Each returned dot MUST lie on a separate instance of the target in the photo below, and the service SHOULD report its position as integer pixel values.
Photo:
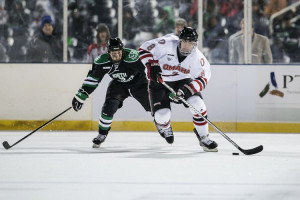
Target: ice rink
(142, 166)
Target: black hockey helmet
(188, 33)
(114, 44)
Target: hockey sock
(162, 118)
(200, 124)
(104, 124)
(163, 126)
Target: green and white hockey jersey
(129, 72)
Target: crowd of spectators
(20, 21)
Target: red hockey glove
(154, 70)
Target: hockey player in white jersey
(183, 67)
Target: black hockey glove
(186, 91)
(154, 70)
(76, 104)
(79, 99)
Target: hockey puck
(235, 154)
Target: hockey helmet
(115, 44)
(190, 35)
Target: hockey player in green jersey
(128, 79)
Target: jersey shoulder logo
(131, 55)
(101, 59)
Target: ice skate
(207, 144)
(98, 140)
(165, 133)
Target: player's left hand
(76, 104)
(185, 91)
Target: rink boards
(245, 98)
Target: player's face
(243, 27)
(116, 55)
(186, 46)
(47, 29)
(103, 36)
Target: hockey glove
(174, 98)
(154, 70)
(79, 99)
(186, 91)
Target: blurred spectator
(214, 38)
(230, 8)
(45, 47)
(3, 24)
(166, 23)
(260, 21)
(179, 24)
(211, 10)
(274, 6)
(261, 51)
(130, 27)
(18, 23)
(19, 15)
(96, 49)
(230, 43)
(3, 15)
(232, 11)
(3, 56)
(286, 37)
(80, 33)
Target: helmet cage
(186, 53)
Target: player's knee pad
(197, 103)
(162, 116)
(111, 106)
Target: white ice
(142, 166)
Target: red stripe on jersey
(204, 113)
(200, 85)
(140, 49)
(204, 79)
(145, 56)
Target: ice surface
(142, 166)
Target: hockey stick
(7, 146)
(245, 151)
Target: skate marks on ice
(147, 144)
(124, 144)
(117, 151)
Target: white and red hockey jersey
(164, 49)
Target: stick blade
(6, 145)
(252, 151)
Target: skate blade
(209, 150)
(96, 145)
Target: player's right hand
(76, 104)
(186, 91)
(154, 70)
